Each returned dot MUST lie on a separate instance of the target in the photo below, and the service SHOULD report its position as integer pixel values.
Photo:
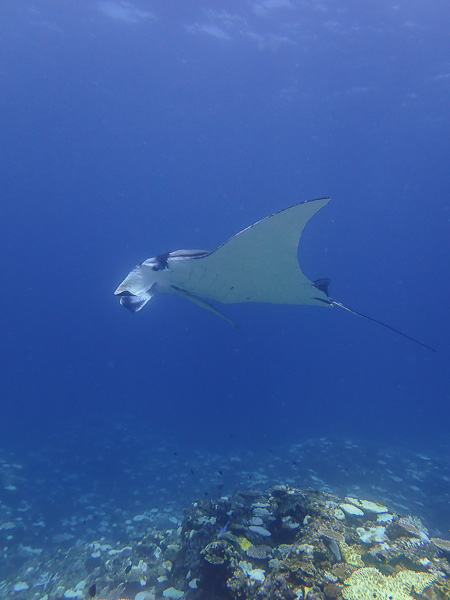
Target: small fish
(224, 528)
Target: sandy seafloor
(131, 480)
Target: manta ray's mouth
(135, 303)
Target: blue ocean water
(130, 129)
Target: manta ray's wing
(259, 264)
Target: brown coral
(260, 552)
(332, 591)
(331, 534)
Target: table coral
(369, 583)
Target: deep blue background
(132, 129)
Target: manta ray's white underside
(259, 264)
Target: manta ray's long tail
(322, 285)
(355, 312)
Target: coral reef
(284, 543)
(303, 549)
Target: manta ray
(258, 264)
